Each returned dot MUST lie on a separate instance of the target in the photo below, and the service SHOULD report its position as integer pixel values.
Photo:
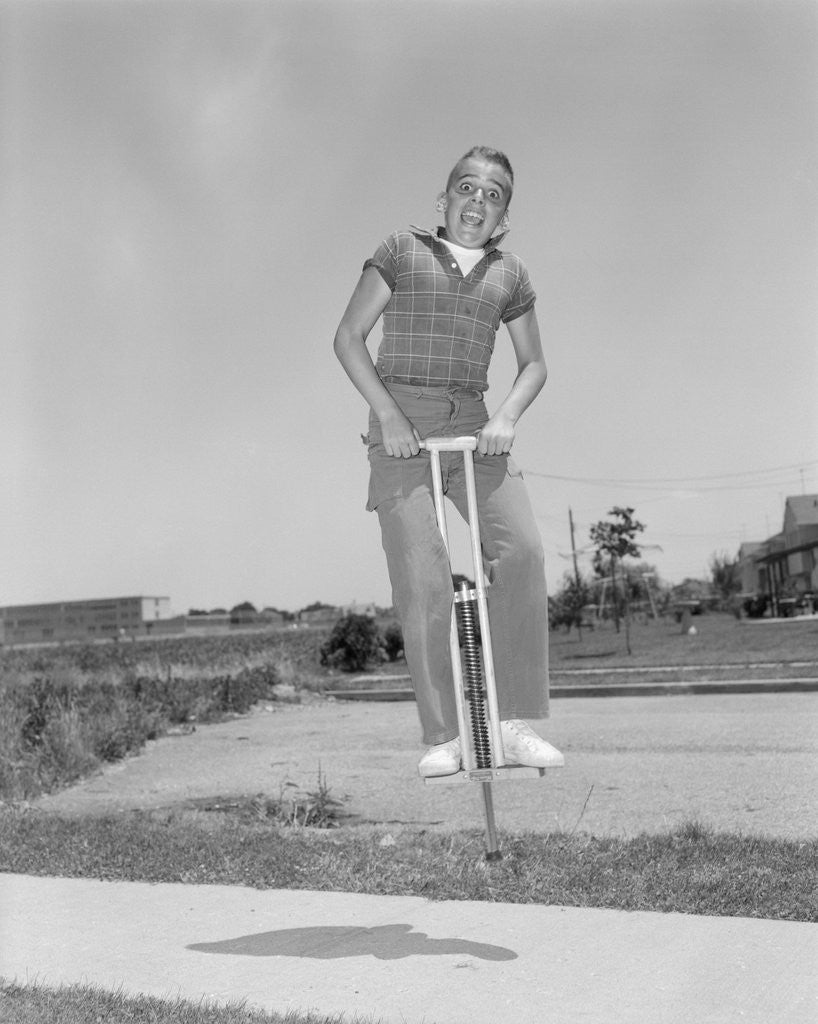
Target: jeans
(400, 490)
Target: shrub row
(206, 652)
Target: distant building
(370, 610)
(323, 616)
(105, 618)
(244, 619)
(212, 622)
(784, 568)
(249, 618)
(272, 617)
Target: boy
(442, 296)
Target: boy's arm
(497, 436)
(367, 303)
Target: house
(784, 568)
(749, 571)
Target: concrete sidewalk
(405, 960)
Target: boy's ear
(441, 202)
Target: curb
(804, 685)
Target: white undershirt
(467, 259)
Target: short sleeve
(385, 260)
(523, 296)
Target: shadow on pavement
(385, 942)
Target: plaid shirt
(438, 326)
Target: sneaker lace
(522, 732)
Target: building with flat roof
(101, 619)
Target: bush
(756, 607)
(393, 641)
(353, 643)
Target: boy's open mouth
(472, 217)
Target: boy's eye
(465, 186)
(494, 195)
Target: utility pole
(573, 545)
(576, 568)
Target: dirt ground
(745, 763)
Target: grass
(690, 870)
(86, 1004)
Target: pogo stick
(478, 713)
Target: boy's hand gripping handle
(450, 444)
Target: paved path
(404, 960)
(745, 763)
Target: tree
(725, 575)
(565, 607)
(614, 539)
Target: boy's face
(477, 195)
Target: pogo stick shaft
(467, 445)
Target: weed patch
(64, 717)
(292, 807)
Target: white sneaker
(521, 745)
(441, 759)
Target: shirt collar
(490, 246)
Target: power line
(668, 489)
(681, 480)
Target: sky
(188, 192)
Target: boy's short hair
(487, 153)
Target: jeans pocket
(394, 478)
(385, 477)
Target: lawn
(719, 640)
